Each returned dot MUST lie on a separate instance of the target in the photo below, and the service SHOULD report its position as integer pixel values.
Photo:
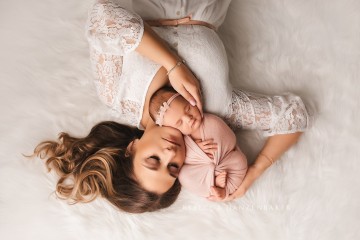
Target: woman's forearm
(274, 147)
(182, 79)
(156, 49)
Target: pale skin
(184, 82)
(187, 119)
(158, 157)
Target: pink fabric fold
(199, 171)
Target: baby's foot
(219, 193)
(220, 180)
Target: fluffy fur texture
(308, 47)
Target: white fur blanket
(309, 47)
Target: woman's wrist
(156, 49)
(262, 163)
(170, 61)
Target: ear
(131, 147)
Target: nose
(187, 118)
(170, 152)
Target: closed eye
(174, 170)
(155, 157)
(172, 167)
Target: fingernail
(193, 103)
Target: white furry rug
(308, 47)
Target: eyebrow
(154, 169)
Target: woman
(131, 60)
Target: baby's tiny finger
(208, 141)
(210, 147)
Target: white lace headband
(165, 106)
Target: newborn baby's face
(182, 116)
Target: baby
(212, 157)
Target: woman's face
(158, 156)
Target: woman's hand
(181, 78)
(217, 197)
(185, 83)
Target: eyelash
(155, 157)
(158, 159)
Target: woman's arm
(181, 78)
(274, 147)
(113, 32)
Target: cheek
(197, 114)
(186, 130)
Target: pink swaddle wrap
(199, 171)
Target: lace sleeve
(112, 32)
(106, 69)
(272, 114)
(112, 29)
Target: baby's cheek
(186, 131)
(183, 131)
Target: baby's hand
(208, 147)
(220, 180)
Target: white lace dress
(122, 76)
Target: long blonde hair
(99, 165)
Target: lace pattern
(107, 70)
(112, 29)
(273, 115)
(113, 32)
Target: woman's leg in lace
(273, 114)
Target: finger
(198, 99)
(208, 141)
(195, 93)
(209, 145)
(199, 105)
(209, 152)
(217, 191)
(187, 95)
(213, 198)
(212, 146)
